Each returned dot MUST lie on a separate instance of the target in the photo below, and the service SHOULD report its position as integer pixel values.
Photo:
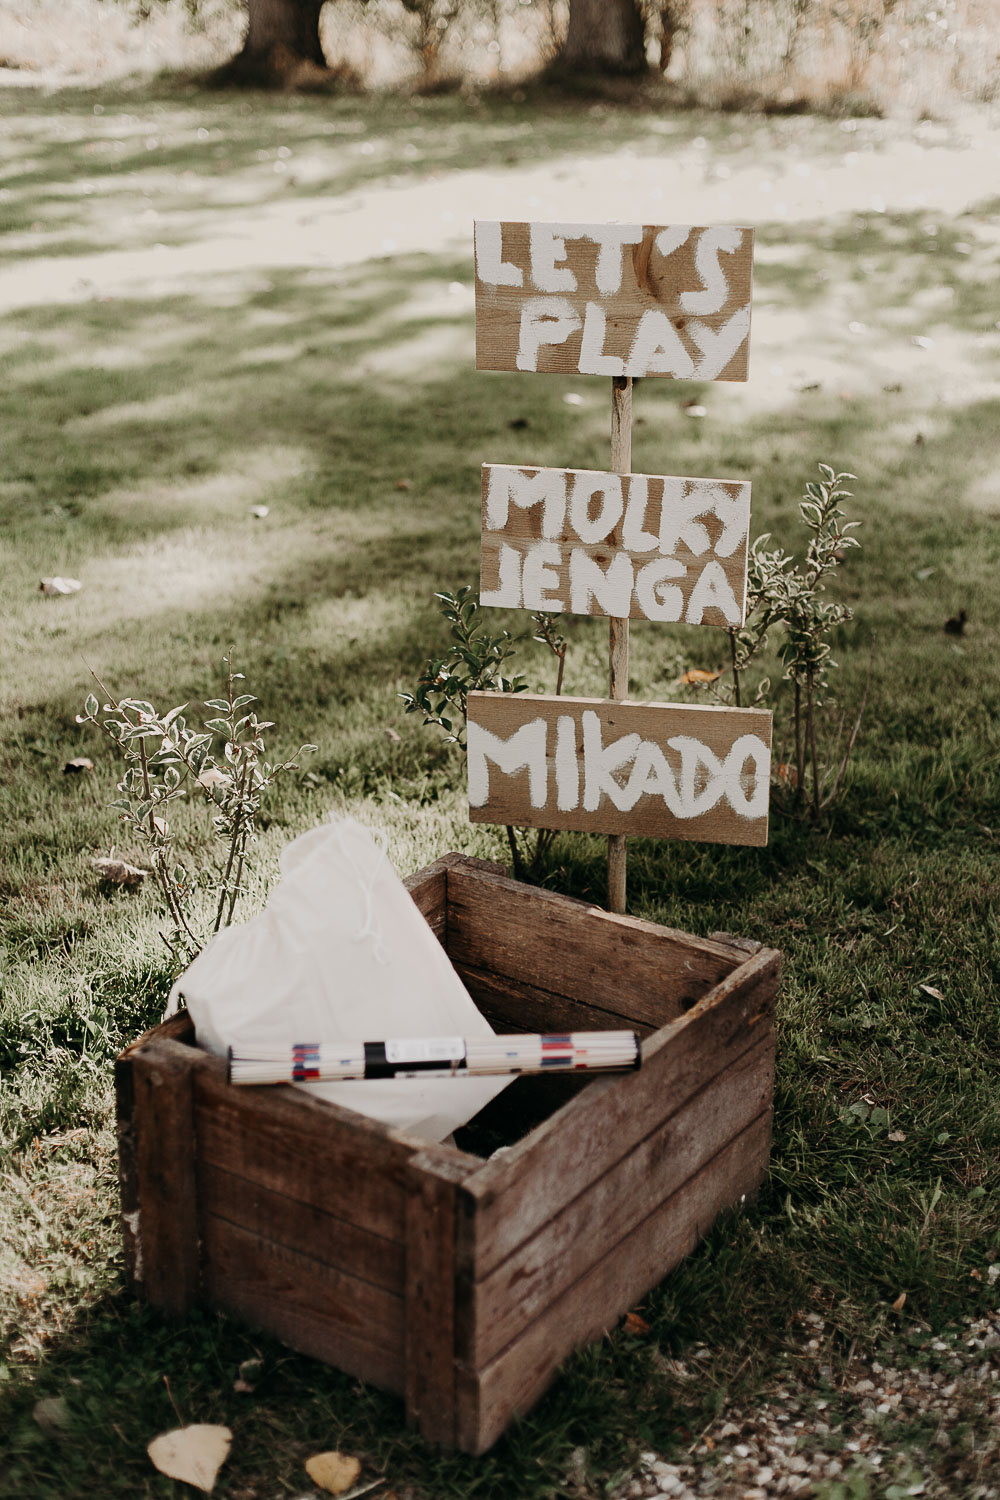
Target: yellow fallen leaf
(194, 1454)
(333, 1472)
(899, 1303)
(697, 674)
(635, 1324)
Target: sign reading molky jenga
(620, 300)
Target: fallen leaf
(119, 872)
(897, 1135)
(52, 1415)
(899, 1303)
(694, 409)
(249, 1374)
(922, 574)
(697, 674)
(194, 1454)
(333, 1472)
(929, 989)
(635, 1324)
(787, 773)
(922, 341)
(259, 511)
(76, 765)
(392, 735)
(60, 585)
(572, 399)
(404, 484)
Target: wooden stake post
(619, 300)
(621, 463)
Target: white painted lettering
(507, 594)
(509, 486)
(548, 248)
(672, 238)
(748, 792)
(524, 749)
(544, 320)
(711, 243)
(652, 777)
(593, 360)
(611, 590)
(584, 487)
(491, 267)
(682, 503)
(600, 762)
(540, 575)
(713, 591)
(612, 239)
(567, 766)
(718, 346)
(633, 536)
(657, 349)
(733, 510)
(700, 782)
(658, 599)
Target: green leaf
(221, 726)
(242, 701)
(90, 706)
(221, 704)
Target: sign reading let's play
(614, 299)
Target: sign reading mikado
(661, 769)
(614, 299)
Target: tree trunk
(604, 36)
(282, 47)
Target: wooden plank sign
(614, 299)
(644, 546)
(662, 769)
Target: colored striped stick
(435, 1057)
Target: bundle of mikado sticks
(434, 1057)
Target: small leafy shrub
(790, 596)
(165, 758)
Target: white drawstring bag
(340, 953)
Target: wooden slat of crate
(428, 888)
(430, 1331)
(306, 1303)
(509, 1004)
(156, 1081)
(522, 1286)
(578, 950)
(513, 1381)
(308, 1148)
(329, 1237)
(517, 1193)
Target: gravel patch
(923, 1421)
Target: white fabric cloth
(340, 952)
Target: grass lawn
(213, 304)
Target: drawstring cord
(366, 885)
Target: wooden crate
(459, 1282)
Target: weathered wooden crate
(460, 1282)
